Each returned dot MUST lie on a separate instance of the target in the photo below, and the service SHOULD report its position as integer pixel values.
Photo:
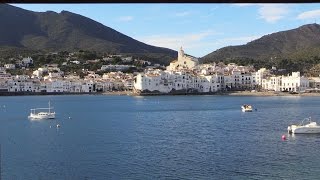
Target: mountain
(67, 31)
(295, 43)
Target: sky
(199, 28)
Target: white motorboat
(42, 113)
(246, 108)
(307, 126)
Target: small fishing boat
(307, 126)
(42, 113)
(246, 108)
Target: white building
(172, 81)
(272, 83)
(3, 85)
(314, 82)
(259, 75)
(10, 66)
(128, 84)
(211, 83)
(186, 74)
(184, 62)
(55, 85)
(236, 77)
(126, 59)
(56, 74)
(37, 73)
(116, 67)
(20, 83)
(4, 75)
(293, 83)
(75, 62)
(27, 60)
(88, 86)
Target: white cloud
(183, 14)
(244, 4)
(239, 40)
(309, 14)
(187, 41)
(125, 18)
(196, 44)
(269, 12)
(208, 47)
(273, 12)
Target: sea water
(158, 137)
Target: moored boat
(42, 113)
(307, 126)
(246, 108)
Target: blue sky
(198, 28)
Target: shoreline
(233, 93)
(40, 93)
(130, 93)
(119, 93)
(247, 93)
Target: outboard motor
(289, 130)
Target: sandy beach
(121, 93)
(270, 93)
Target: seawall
(39, 93)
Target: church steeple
(180, 54)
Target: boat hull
(36, 116)
(311, 128)
(246, 109)
(306, 130)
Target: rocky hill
(297, 43)
(67, 31)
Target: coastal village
(159, 90)
(183, 76)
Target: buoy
(58, 125)
(283, 137)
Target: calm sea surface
(158, 137)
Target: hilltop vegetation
(295, 50)
(65, 31)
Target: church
(184, 62)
